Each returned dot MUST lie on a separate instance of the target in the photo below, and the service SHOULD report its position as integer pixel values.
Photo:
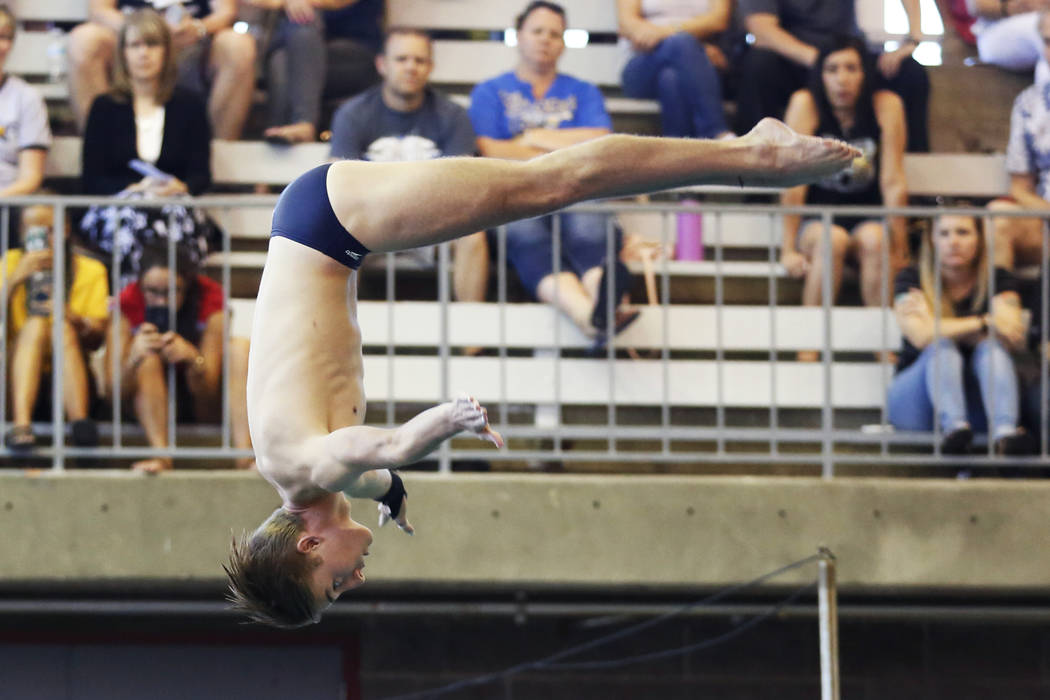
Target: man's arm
(890, 62)
(348, 453)
(770, 35)
(31, 162)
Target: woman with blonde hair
(955, 353)
(146, 119)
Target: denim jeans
(530, 245)
(678, 73)
(963, 387)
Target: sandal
(21, 437)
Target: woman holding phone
(193, 344)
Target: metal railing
(564, 429)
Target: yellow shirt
(88, 297)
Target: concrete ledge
(891, 535)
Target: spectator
(1007, 34)
(146, 117)
(29, 286)
(194, 344)
(961, 364)
(673, 60)
(213, 60)
(404, 119)
(530, 111)
(23, 124)
(1019, 241)
(788, 36)
(840, 103)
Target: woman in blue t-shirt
(841, 103)
(955, 351)
(530, 111)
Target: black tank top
(858, 184)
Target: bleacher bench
(589, 381)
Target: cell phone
(158, 316)
(148, 170)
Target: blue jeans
(963, 387)
(530, 245)
(678, 73)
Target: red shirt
(133, 303)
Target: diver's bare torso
(304, 371)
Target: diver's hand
(468, 415)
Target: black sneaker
(1014, 444)
(957, 442)
(84, 432)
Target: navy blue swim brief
(304, 214)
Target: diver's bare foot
(787, 158)
(244, 463)
(300, 132)
(152, 466)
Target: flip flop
(21, 437)
(623, 319)
(621, 283)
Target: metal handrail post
(58, 319)
(827, 463)
(444, 454)
(828, 617)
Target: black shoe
(624, 318)
(621, 283)
(1014, 444)
(84, 432)
(957, 442)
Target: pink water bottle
(690, 242)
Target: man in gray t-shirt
(788, 37)
(403, 119)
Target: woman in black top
(145, 117)
(841, 103)
(960, 363)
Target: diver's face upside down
(342, 551)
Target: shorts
(304, 214)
